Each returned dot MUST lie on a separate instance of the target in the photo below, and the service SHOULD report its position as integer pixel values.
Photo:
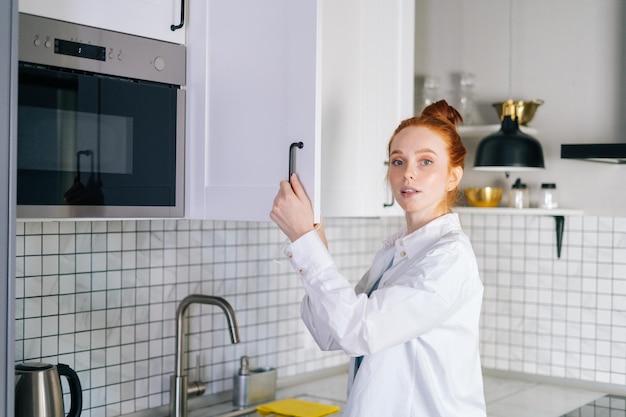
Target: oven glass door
(90, 140)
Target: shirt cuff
(308, 254)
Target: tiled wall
(101, 296)
(557, 317)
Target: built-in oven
(100, 123)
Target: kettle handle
(76, 390)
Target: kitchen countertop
(505, 395)
(325, 386)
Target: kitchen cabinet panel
(337, 76)
(148, 18)
(253, 90)
(367, 90)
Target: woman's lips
(408, 191)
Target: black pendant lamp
(509, 149)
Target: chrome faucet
(178, 382)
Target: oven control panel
(61, 44)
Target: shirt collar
(425, 236)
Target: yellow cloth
(291, 407)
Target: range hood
(612, 153)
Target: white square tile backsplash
(101, 296)
(556, 317)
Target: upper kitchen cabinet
(148, 18)
(264, 75)
(252, 91)
(367, 89)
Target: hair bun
(443, 111)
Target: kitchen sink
(250, 411)
(241, 412)
(224, 410)
(227, 409)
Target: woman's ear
(454, 178)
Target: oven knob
(159, 63)
(48, 43)
(37, 41)
(120, 56)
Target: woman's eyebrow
(417, 151)
(425, 150)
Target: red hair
(442, 119)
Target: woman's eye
(426, 162)
(397, 162)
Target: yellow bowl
(483, 196)
(524, 109)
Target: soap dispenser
(244, 366)
(252, 386)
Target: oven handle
(182, 17)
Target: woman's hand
(292, 210)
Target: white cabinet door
(368, 49)
(148, 18)
(253, 90)
(336, 75)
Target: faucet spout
(179, 383)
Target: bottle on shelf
(467, 102)
(518, 196)
(548, 196)
(430, 91)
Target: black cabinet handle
(393, 200)
(292, 157)
(182, 17)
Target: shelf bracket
(560, 225)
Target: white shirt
(418, 332)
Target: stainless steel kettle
(38, 391)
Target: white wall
(568, 52)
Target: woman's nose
(409, 173)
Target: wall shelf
(519, 212)
(558, 214)
(484, 130)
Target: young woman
(411, 324)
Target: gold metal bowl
(483, 196)
(524, 109)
